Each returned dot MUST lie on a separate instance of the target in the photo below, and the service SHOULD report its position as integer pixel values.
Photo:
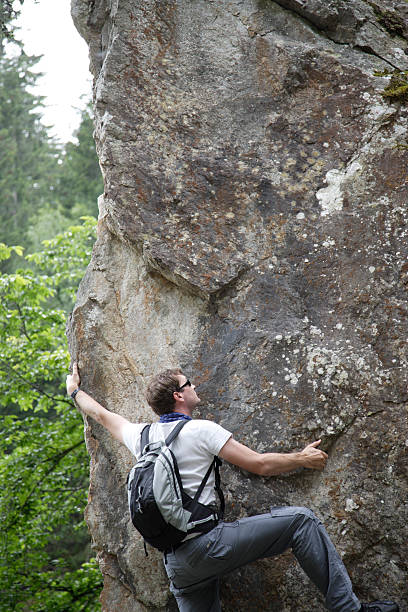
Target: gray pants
(194, 567)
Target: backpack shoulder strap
(175, 432)
(144, 438)
(204, 482)
(217, 485)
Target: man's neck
(183, 410)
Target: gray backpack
(159, 508)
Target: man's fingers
(318, 450)
(75, 374)
(315, 458)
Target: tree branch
(23, 325)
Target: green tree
(28, 157)
(8, 12)
(44, 565)
(44, 187)
(80, 181)
(77, 188)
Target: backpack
(159, 508)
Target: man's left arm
(113, 422)
(272, 464)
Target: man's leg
(204, 599)
(232, 545)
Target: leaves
(6, 251)
(43, 460)
(45, 559)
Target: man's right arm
(113, 422)
(272, 464)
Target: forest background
(48, 204)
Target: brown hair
(159, 393)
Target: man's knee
(298, 515)
(307, 512)
(304, 515)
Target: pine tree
(77, 187)
(8, 12)
(80, 181)
(28, 157)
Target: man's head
(171, 390)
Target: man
(194, 566)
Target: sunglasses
(186, 384)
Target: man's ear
(178, 396)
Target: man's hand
(114, 423)
(73, 380)
(312, 457)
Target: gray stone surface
(253, 231)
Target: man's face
(190, 396)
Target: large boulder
(253, 230)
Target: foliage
(80, 181)
(43, 460)
(7, 14)
(48, 221)
(44, 187)
(64, 258)
(45, 560)
(6, 251)
(28, 157)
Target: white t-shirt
(194, 449)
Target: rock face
(253, 231)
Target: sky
(47, 29)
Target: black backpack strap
(144, 438)
(175, 432)
(217, 464)
(204, 482)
